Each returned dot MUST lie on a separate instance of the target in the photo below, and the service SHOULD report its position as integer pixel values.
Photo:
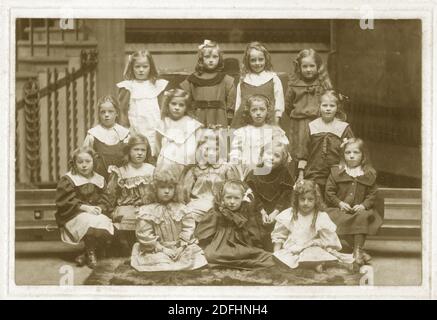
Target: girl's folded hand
(358, 207)
(344, 206)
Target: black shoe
(91, 259)
(81, 260)
(358, 256)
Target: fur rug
(117, 271)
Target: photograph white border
(10, 10)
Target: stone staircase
(35, 208)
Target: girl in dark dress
(272, 190)
(80, 213)
(228, 233)
(212, 90)
(351, 192)
(320, 148)
(108, 137)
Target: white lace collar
(109, 136)
(354, 172)
(79, 180)
(258, 79)
(336, 127)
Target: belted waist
(203, 104)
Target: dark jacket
(342, 187)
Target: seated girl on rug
(176, 133)
(165, 232)
(129, 187)
(304, 233)
(258, 131)
(272, 190)
(108, 137)
(79, 212)
(229, 234)
(351, 191)
(197, 185)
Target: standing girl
(247, 141)
(129, 187)
(257, 77)
(322, 139)
(165, 233)
(139, 96)
(176, 133)
(272, 191)
(212, 91)
(304, 233)
(108, 138)
(79, 212)
(228, 232)
(305, 87)
(351, 189)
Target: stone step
(57, 48)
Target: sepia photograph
(230, 152)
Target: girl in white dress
(140, 94)
(177, 134)
(248, 140)
(304, 233)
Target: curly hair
(129, 74)
(302, 187)
(340, 100)
(208, 46)
(72, 162)
(176, 93)
(245, 69)
(321, 68)
(134, 140)
(366, 164)
(164, 179)
(247, 119)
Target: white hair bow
(205, 43)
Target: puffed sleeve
(185, 85)
(304, 149)
(237, 144)
(109, 201)
(185, 185)
(238, 97)
(289, 100)
(370, 198)
(207, 227)
(89, 141)
(124, 98)
(187, 230)
(347, 133)
(325, 228)
(67, 201)
(278, 92)
(146, 235)
(281, 231)
(331, 192)
(230, 92)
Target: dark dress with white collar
(352, 190)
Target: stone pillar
(110, 35)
